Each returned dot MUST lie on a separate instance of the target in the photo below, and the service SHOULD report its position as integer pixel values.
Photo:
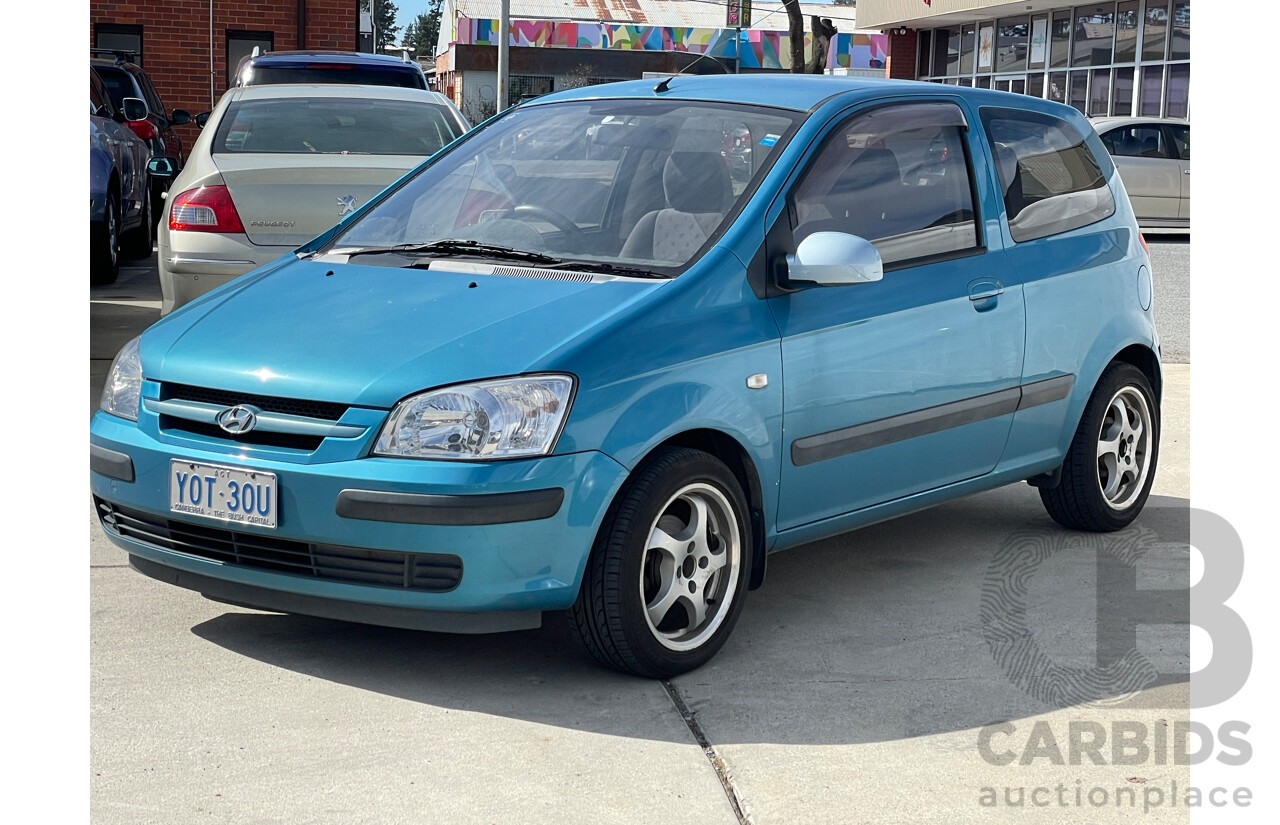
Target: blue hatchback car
(609, 377)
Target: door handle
(985, 293)
(1186, 171)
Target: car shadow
(976, 611)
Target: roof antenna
(663, 84)
(666, 81)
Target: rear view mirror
(162, 167)
(133, 108)
(181, 117)
(834, 259)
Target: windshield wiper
(456, 246)
(605, 268)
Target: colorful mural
(757, 49)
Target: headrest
(871, 168)
(697, 182)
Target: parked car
(329, 67)
(1154, 159)
(463, 407)
(123, 77)
(119, 205)
(278, 165)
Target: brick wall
(902, 54)
(175, 39)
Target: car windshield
(631, 183)
(334, 125)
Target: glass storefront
(1121, 58)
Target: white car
(275, 166)
(1153, 156)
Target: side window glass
(1182, 141)
(897, 176)
(1051, 181)
(1137, 142)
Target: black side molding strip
(454, 511)
(110, 463)
(823, 446)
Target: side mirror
(202, 119)
(834, 259)
(134, 108)
(181, 117)
(162, 167)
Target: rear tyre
(668, 574)
(137, 243)
(1109, 468)
(104, 239)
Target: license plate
(223, 493)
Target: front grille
(256, 438)
(325, 410)
(424, 572)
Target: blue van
(610, 376)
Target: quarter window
(1050, 180)
(897, 176)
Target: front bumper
(522, 529)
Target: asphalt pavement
(858, 686)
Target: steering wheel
(532, 211)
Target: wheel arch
(1141, 356)
(727, 449)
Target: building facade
(190, 48)
(1131, 57)
(557, 44)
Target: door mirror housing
(181, 117)
(162, 167)
(834, 259)
(134, 108)
(202, 119)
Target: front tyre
(1109, 468)
(668, 573)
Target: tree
(845, 2)
(795, 29)
(384, 22)
(823, 31)
(424, 31)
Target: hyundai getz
(609, 377)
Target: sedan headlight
(124, 383)
(504, 418)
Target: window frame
(122, 29)
(836, 130)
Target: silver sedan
(275, 166)
(1154, 159)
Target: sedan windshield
(334, 125)
(634, 183)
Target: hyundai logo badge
(238, 419)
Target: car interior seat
(698, 193)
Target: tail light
(207, 209)
(143, 129)
(1143, 241)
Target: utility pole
(504, 25)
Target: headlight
(124, 383)
(505, 418)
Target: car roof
(800, 92)
(273, 91)
(1100, 123)
(354, 58)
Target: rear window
(1051, 181)
(332, 73)
(300, 126)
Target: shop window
(1155, 30)
(1126, 31)
(1061, 44)
(923, 51)
(1099, 92)
(1094, 32)
(1180, 36)
(1122, 93)
(1013, 44)
(968, 38)
(1175, 93)
(1151, 92)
